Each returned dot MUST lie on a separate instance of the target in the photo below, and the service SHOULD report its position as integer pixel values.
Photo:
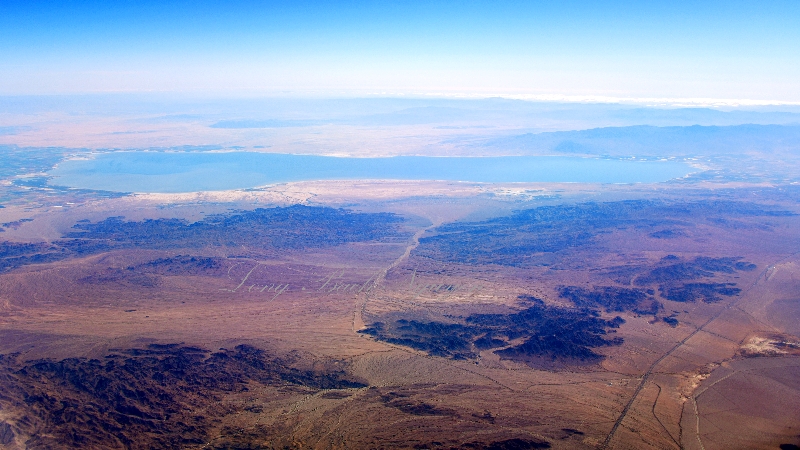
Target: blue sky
(678, 49)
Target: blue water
(189, 172)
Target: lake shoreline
(159, 172)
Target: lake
(188, 172)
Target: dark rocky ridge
(669, 276)
(521, 239)
(162, 396)
(611, 298)
(547, 334)
(692, 292)
(260, 231)
(147, 274)
(700, 267)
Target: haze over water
(189, 172)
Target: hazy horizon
(676, 53)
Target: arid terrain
(405, 315)
(383, 313)
(399, 225)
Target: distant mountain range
(647, 140)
